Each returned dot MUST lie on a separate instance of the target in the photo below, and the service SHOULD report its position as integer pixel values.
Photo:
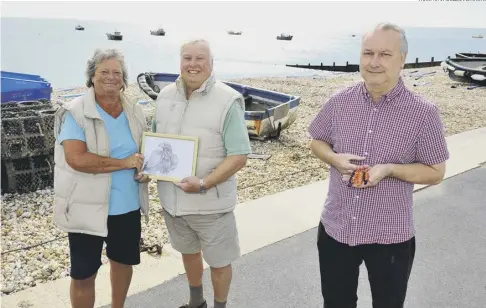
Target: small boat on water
(469, 55)
(79, 28)
(478, 36)
(115, 36)
(234, 32)
(285, 37)
(267, 113)
(158, 32)
(466, 70)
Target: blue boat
(267, 112)
(24, 87)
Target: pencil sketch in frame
(169, 157)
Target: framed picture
(169, 157)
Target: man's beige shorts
(215, 234)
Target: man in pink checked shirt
(398, 137)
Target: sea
(53, 49)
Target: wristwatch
(201, 186)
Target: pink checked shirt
(402, 128)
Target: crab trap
(27, 146)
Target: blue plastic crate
(22, 87)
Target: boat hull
(270, 123)
(267, 113)
(466, 70)
(157, 33)
(113, 37)
(468, 55)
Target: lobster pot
(27, 133)
(27, 145)
(26, 105)
(28, 174)
(47, 124)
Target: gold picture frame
(166, 156)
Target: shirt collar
(390, 96)
(89, 104)
(204, 88)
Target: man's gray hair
(198, 41)
(101, 55)
(391, 26)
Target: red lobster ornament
(359, 177)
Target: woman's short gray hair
(101, 55)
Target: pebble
(9, 288)
(28, 280)
(27, 218)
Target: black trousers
(388, 266)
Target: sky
(241, 15)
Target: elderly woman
(99, 188)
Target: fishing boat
(234, 32)
(267, 113)
(466, 70)
(158, 32)
(79, 28)
(285, 37)
(469, 55)
(115, 36)
(478, 36)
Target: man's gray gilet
(202, 116)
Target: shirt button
(354, 217)
(357, 197)
(365, 153)
(370, 131)
(374, 109)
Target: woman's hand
(142, 178)
(135, 161)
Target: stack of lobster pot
(27, 145)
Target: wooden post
(321, 64)
(308, 65)
(416, 62)
(432, 62)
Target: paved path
(449, 269)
